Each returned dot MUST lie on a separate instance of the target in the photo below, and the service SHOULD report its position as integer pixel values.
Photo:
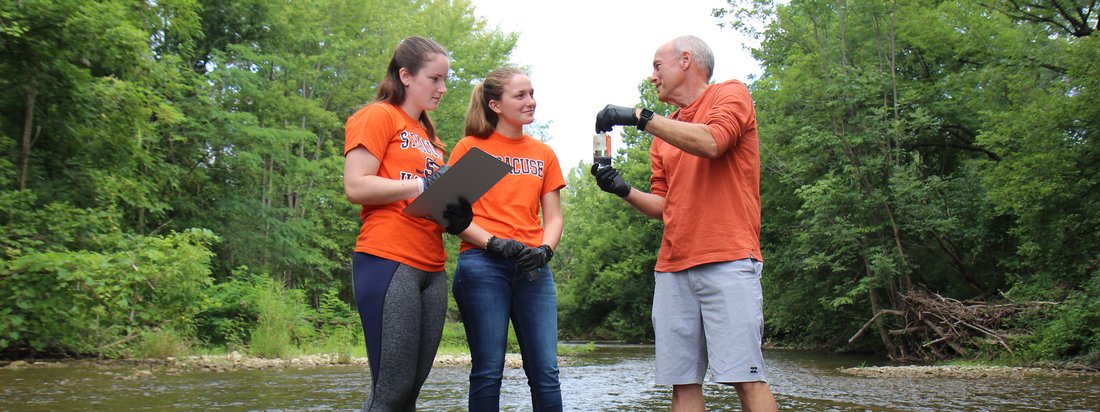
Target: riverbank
(238, 361)
(959, 371)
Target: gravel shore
(954, 371)
(235, 361)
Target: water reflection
(614, 378)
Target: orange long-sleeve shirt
(712, 206)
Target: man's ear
(686, 59)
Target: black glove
(505, 248)
(532, 258)
(458, 216)
(432, 177)
(610, 180)
(612, 115)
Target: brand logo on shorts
(753, 370)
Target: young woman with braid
(391, 154)
(502, 273)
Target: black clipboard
(473, 175)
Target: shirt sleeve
(459, 150)
(729, 114)
(371, 127)
(658, 185)
(552, 178)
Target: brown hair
(411, 54)
(480, 119)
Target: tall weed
(163, 343)
(280, 320)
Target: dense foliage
(171, 172)
(124, 125)
(909, 146)
(939, 145)
(604, 265)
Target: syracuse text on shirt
(523, 165)
(414, 141)
(409, 139)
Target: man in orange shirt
(707, 303)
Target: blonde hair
(480, 119)
(411, 54)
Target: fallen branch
(958, 349)
(932, 326)
(872, 320)
(130, 337)
(909, 330)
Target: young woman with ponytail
(391, 154)
(502, 273)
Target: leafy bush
(228, 312)
(1072, 331)
(95, 301)
(338, 328)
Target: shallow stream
(612, 378)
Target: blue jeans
(490, 291)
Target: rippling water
(613, 378)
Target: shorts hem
(740, 378)
(698, 381)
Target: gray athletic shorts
(720, 303)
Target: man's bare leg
(688, 398)
(755, 397)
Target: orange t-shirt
(510, 209)
(712, 206)
(404, 151)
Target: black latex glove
(458, 216)
(432, 177)
(532, 258)
(610, 181)
(612, 115)
(505, 248)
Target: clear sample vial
(601, 149)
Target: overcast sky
(584, 54)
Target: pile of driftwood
(928, 326)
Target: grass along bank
(334, 347)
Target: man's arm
(692, 138)
(648, 203)
(610, 181)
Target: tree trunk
(28, 123)
(894, 55)
(898, 243)
(880, 327)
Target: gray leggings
(402, 310)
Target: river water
(612, 378)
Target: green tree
(273, 143)
(916, 145)
(181, 114)
(604, 265)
